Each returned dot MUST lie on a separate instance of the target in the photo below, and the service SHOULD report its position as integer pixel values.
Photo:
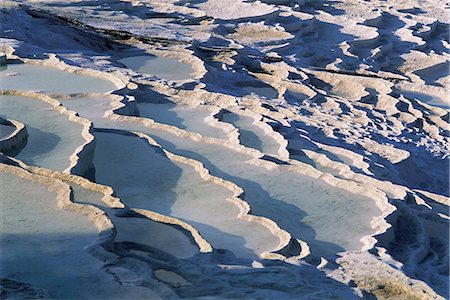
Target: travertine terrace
(229, 149)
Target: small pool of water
(52, 137)
(88, 108)
(251, 135)
(183, 117)
(140, 230)
(50, 80)
(263, 91)
(6, 130)
(161, 67)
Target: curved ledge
(65, 201)
(233, 132)
(286, 245)
(379, 224)
(286, 241)
(202, 243)
(268, 130)
(115, 202)
(81, 159)
(16, 140)
(121, 102)
(53, 61)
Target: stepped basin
(185, 117)
(140, 230)
(308, 202)
(88, 107)
(44, 246)
(250, 135)
(298, 203)
(145, 178)
(181, 116)
(52, 137)
(50, 80)
(161, 67)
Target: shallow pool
(6, 130)
(44, 246)
(251, 135)
(50, 80)
(161, 67)
(140, 230)
(184, 117)
(52, 137)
